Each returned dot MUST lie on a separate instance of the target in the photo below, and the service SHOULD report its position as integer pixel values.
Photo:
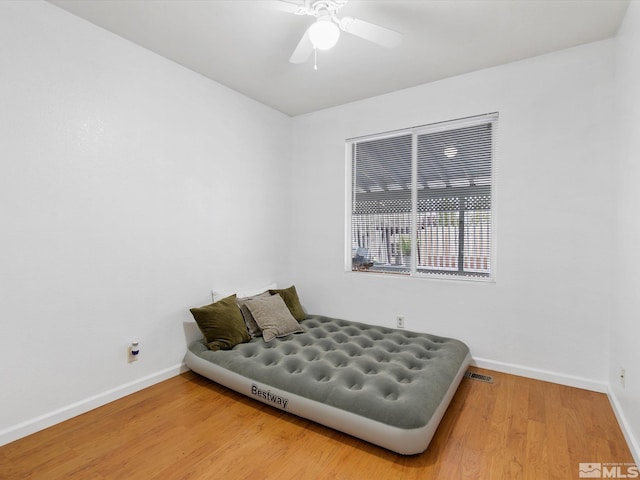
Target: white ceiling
(246, 44)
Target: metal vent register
(478, 376)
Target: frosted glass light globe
(324, 34)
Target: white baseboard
(544, 375)
(633, 443)
(44, 421)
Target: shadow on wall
(191, 332)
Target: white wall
(625, 327)
(129, 187)
(546, 315)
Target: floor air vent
(478, 376)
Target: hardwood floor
(190, 428)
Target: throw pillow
(273, 317)
(252, 326)
(290, 297)
(221, 323)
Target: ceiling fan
(323, 34)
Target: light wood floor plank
(190, 428)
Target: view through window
(421, 200)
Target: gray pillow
(273, 316)
(290, 297)
(252, 326)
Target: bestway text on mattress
(270, 397)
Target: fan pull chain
(315, 59)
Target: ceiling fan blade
(290, 6)
(369, 31)
(303, 50)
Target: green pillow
(221, 323)
(290, 297)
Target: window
(421, 200)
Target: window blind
(421, 199)
(382, 199)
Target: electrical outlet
(400, 321)
(134, 351)
(622, 377)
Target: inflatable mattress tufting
(386, 386)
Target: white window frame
(415, 132)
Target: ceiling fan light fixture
(324, 34)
